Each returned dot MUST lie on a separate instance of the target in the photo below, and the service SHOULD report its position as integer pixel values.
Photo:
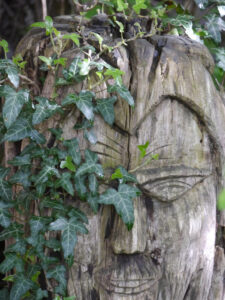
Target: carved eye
(170, 189)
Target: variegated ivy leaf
(14, 102)
(123, 92)
(20, 287)
(215, 25)
(73, 150)
(122, 201)
(5, 186)
(14, 230)
(44, 110)
(70, 228)
(21, 160)
(65, 183)
(44, 174)
(83, 102)
(59, 274)
(9, 67)
(5, 216)
(106, 108)
(90, 165)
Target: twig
(44, 9)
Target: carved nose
(133, 241)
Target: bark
(170, 252)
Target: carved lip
(128, 279)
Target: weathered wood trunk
(170, 252)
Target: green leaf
(14, 102)
(73, 150)
(45, 173)
(93, 202)
(220, 57)
(143, 149)
(106, 108)
(5, 46)
(123, 175)
(139, 4)
(90, 166)
(8, 263)
(13, 75)
(37, 224)
(69, 236)
(68, 164)
(215, 25)
(83, 103)
(19, 130)
(52, 204)
(122, 201)
(90, 136)
(65, 183)
(14, 230)
(40, 294)
(22, 177)
(80, 186)
(76, 212)
(121, 5)
(221, 200)
(59, 274)
(20, 287)
(21, 160)
(84, 67)
(44, 110)
(60, 61)
(123, 92)
(114, 73)
(39, 24)
(93, 184)
(5, 186)
(72, 36)
(19, 247)
(5, 216)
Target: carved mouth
(131, 276)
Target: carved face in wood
(169, 252)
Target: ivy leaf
(18, 131)
(5, 216)
(4, 293)
(83, 102)
(143, 149)
(84, 67)
(9, 262)
(37, 224)
(90, 136)
(40, 294)
(20, 287)
(68, 164)
(14, 230)
(215, 25)
(121, 5)
(93, 184)
(59, 274)
(220, 57)
(21, 160)
(106, 109)
(80, 186)
(65, 183)
(22, 177)
(123, 176)
(4, 44)
(93, 202)
(19, 247)
(44, 110)
(50, 203)
(76, 212)
(90, 166)
(44, 174)
(14, 102)
(72, 36)
(139, 4)
(73, 150)
(123, 92)
(122, 201)
(69, 235)
(5, 186)
(13, 75)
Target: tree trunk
(170, 252)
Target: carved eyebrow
(174, 171)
